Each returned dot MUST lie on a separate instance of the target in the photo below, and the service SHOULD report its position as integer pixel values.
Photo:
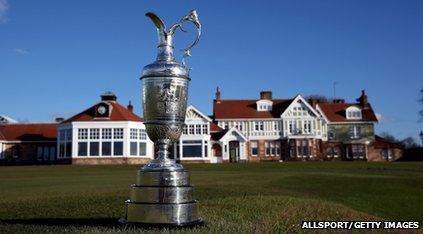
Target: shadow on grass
(98, 222)
(87, 222)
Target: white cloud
(20, 51)
(385, 119)
(4, 6)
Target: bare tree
(318, 98)
(409, 143)
(421, 102)
(388, 136)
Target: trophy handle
(193, 18)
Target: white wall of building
(195, 134)
(1, 150)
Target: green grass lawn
(265, 197)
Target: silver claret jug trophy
(162, 195)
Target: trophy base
(162, 199)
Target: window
(106, 148)
(68, 149)
(106, 133)
(118, 133)
(191, 149)
(191, 129)
(205, 149)
(133, 133)
(198, 129)
(39, 153)
(143, 134)
(52, 153)
(331, 134)
(205, 129)
(133, 148)
(292, 152)
(332, 152)
(355, 132)
(272, 148)
(278, 149)
(94, 148)
(353, 112)
(185, 130)
(307, 126)
(254, 148)
(62, 135)
(62, 149)
(292, 126)
(143, 149)
(83, 133)
(82, 148)
(305, 148)
(45, 153)
(358, 151)
(118, 148)
(259, 126)
(69, 135)
(226, 125)
(267, 146)
(94, 133)
(276, 126)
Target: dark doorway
(233, 151)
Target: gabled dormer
(300, 108)
(265, 103)
(353, 113)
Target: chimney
(130, 107)
(108, 96)
(59, 119)
(217, 98)
(363, 99)
(266, 95)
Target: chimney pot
(267, 95)
(217, 98)
(108, 96)
(130, 107)
(59, 119)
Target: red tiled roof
(381, 143)
(215, 136)
(29, 132)
(335, 112)
(247, 109)
(215, 128)
(119, 113)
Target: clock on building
(101, 110)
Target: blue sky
(57, 57)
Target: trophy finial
(166, 36)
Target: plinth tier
(162, 198)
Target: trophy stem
(162, 161)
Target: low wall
(109, 160)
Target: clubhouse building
(264, 129)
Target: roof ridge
(126, 109)
(28, 123)
(274, 99)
